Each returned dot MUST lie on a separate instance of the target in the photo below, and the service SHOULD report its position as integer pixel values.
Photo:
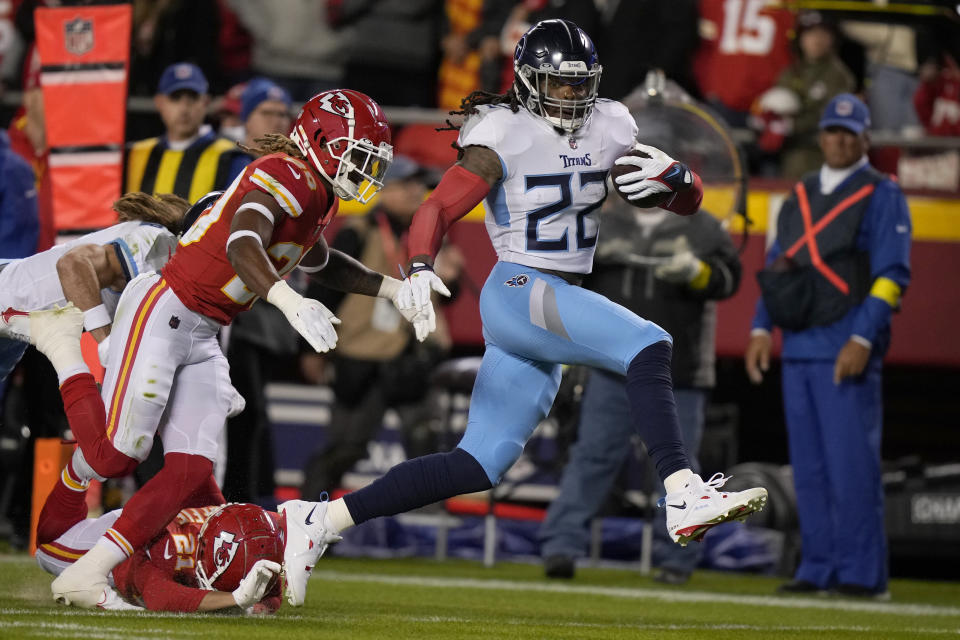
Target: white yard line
(892, 608)
(94, 629)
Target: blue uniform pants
(532, 323)
(834, 435)
(603, 443)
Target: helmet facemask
(566, 114)
(360, 169)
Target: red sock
(88, 421)
(64, 507)
(158, 502)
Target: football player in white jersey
(90, 271)
(538, 157)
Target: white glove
(103, 351)
(424, 321)
(311, 319)
(414, 298)
(255, 584)
(657, 174)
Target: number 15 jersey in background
(544, 210)
(200, 273)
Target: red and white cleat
(700, 506)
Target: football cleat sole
(737, 513)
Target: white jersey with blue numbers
(543, 211)
(31, 284)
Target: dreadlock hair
(468, 105)
(273, 143)
(165, 209)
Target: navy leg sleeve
(417, 483)
(654, 410)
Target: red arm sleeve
(160, 592)
(687, 203)
(459, 191)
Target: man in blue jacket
(19, 228)
(835, 273)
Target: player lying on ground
(207, 559)
(539, 156)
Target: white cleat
(699, 506)
(79, 586)
(15, 324)
(307, 539)
(56, 333)
(110, 600)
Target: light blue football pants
(532, 323)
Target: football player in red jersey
(165, 368)
(206, 559)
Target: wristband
(284, 298)
(96, 317)
(388, 288)
(419, 266)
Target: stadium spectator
(668, 31)
(811, 80)
(391, 48)
(294, 44)
(743, 48)
(937, 99)
(377, 364)
(891, 79)
(165, 32)
(258, 339)
(472, 59)
(28, 138)
(697, 265)
(836, 270)
(189, 159)
(19, 224)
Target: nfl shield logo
(78, 36)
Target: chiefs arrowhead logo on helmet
(224, 549)
(232, 540)
(345, 136)
(337, 103)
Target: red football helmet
(232, 540)
(346, 136)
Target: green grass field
(400, 599)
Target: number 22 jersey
(543, 211)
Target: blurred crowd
(761, 65)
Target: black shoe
(558, 566)
(860, 591)
(801, 587)
(672, 576)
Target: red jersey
(744, 46)
(200, 273)
(163, 576)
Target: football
(648, 202)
